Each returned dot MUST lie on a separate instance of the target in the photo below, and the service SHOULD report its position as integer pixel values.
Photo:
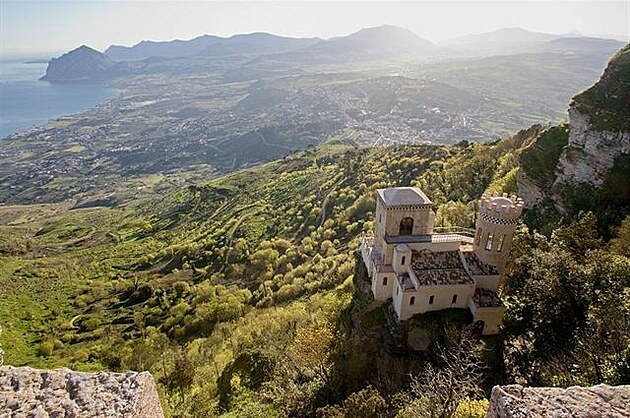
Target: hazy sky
(28, 26)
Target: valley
(186, 118)
(204, 225)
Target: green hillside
(608, 101)
(238, 294)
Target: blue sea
(25, 101)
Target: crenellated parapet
(502, 207)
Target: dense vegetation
(608, 102)
(239, 294)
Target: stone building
(422, 271)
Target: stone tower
(498, 216)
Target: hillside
(241, 293)
(83, 63)
(212, 286)
(586, 165)
(177, 120)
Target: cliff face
(591, 152)
(82, 63)
(599, 132)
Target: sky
(54, 26)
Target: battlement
(502, 207)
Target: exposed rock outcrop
(591, 153)
(82, 63)
(599, 132)
(515, 401)
(64, 393)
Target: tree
(440, 389)
(182, 374)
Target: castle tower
(401, 212)
(498, 216)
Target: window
(489, 243)
(406, 226)
(500, 245)
(379, 218)
(412, 300)
(384, 281)
(402, 261)
(431, 299)
(479, 235)
(454, 301)
(397, 290)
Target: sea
(26, 101)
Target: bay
(26, 101)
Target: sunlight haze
(52, 27)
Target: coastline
(30, 103)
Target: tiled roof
(439, 268)
(485, 298)
(478, 267)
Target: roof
(486, 298)
(478, 267)
(439, 268)
(405, 282)
(403, 196)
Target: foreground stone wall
(63, 393)
(515, 401)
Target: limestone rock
(27, 392)
(515, 401)
(591, 153)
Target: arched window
(412, 300)
(402, 261)
(478, 237)
(489, 242)
(384, 281)
(500, 245)
(406, 226)
(431, 299)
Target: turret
(498, 216)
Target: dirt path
(231, 236)
(325, 201)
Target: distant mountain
(165, 49)
(207, 45)
(81, 63)
(583, 44)
(256, 43)
(369, 43)
(508, 39)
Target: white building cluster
(424, 271)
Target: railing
(404, 239)
(454, 230)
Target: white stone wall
(442, 299)
(380, 290)
(487, 282)
(423, 219)
(491, 316)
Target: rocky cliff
(82, 63)
(599, 133)
(63, 393)
(515, 401)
